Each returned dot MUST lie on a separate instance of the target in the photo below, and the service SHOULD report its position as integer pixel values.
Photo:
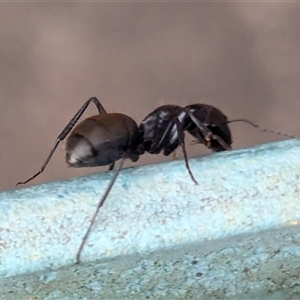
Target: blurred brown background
(241, 57)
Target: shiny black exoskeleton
(163, 131)
(214, 120)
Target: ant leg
(217, 138)
(208, 135)
(99, 106)
(206, 132)
(262, 129)
(208, 141)
(182, 143)
(111, 167)
(101, 202)
(221, 142)
(207, 114)
(165, 133)
(174, 154)
(65, 132)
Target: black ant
(106, 138)
(99, 140)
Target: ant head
(214, 131)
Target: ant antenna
(263, 129)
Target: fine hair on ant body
(99, 140)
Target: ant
(163, 129)
(99, 140)
(105, 138)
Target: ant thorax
(160, 126)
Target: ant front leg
(174, 154)
(201, 126)
(208, 143)
(65, 132)
(207, 133)
(111, 167)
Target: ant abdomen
(101, 140)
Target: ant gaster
(98, 140)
